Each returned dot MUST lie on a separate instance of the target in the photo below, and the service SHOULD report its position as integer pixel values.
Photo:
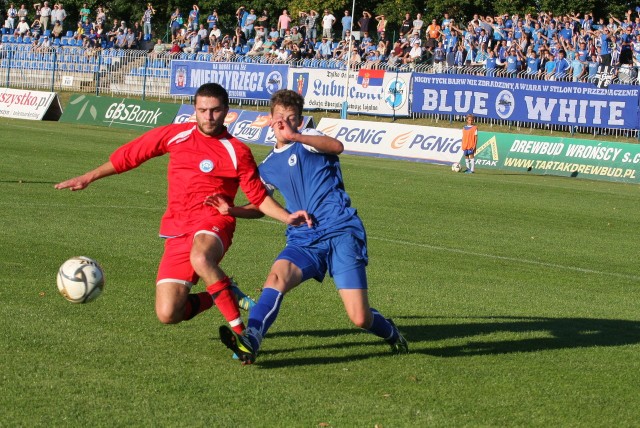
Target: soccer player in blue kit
(305, 168)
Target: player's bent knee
(360, 316)
(198, 260)
(276, 281)
(168, 315)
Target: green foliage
(518, 295)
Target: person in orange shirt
(433, 34)
(469, 141)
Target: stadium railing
(140, 73)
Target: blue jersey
(311, 181)
(491, 63)
(512, 63)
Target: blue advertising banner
(540, 101)
(241, 80)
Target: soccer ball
(455, 167)
(80, 279)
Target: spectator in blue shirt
(583, 52)
(562, 68)
(549, 67)
(346, 21)
(533, 65)
(567, 32)
(513, 62)
(626, 41)
(194, 13)
(491, 64)
(212, 19)
(324, 50)
(592, 68)
(605, 49)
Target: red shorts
(175, 265)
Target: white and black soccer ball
(455, 167)
(80, 279)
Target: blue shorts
(344, 256)
(469, 152)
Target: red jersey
(199, 166)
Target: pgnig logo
(505, 103)
(395, 93)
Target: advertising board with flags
(370, 81)
(375, 92)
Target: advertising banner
(118, 112)
(418, 143)
(539, 101)
(31, 105)
(253, 127)
(241, 80)
(375, 92)
(569, 157)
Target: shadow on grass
(475, 336)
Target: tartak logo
(487, 154)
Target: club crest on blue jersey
(293, 159)
(206, 166)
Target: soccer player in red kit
(204, 159)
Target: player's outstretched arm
(274, 210)
(269, 207)
(246, 211)
(82, 181)
(322, 143)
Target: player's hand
(283, 130)
(218, 201)
(76, 183)
(299, 218)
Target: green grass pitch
(518, 295)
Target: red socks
(226, 302)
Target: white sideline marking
(510, 259)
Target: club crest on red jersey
(206, 166)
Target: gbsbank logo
(118, 112)
(92, 109)
(132, 113)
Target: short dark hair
(212, 90)
(288, 99)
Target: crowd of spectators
(44, 25)
(571, 47)
(567, 47)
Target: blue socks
(265, 312)
(262, 315)
(381, 327)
